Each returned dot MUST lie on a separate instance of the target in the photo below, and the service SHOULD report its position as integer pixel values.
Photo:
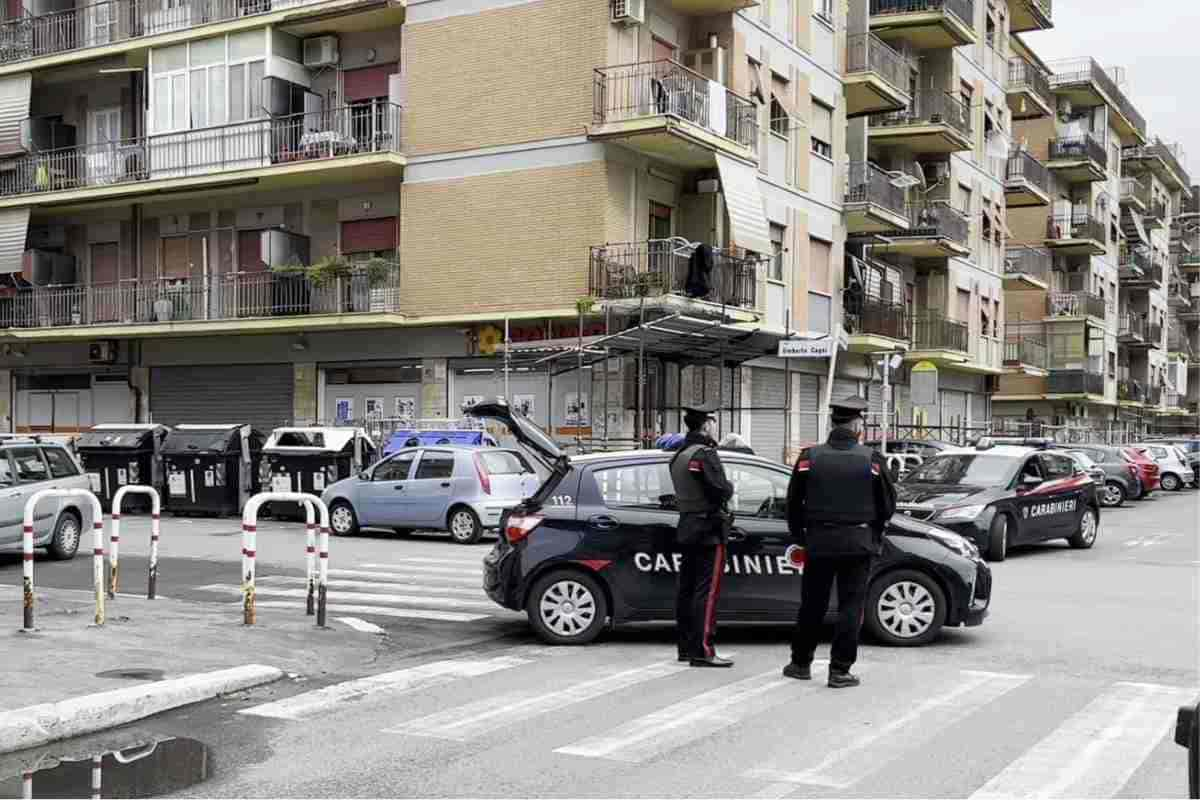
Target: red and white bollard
(97, 766)
(27, 550)
(250, 551)
(114, 539)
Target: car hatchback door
(381, 499)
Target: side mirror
(1029, 481)
(364, 476)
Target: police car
(1002, 495)
(595, 546)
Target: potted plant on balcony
(377, 271)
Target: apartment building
(1183, 321)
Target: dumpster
(309, 459)
(211, 469)
(424, 438)
(119, 454)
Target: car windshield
(965, 468)
(1084, 459)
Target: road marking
(362, 597)
(854, 760)
(476, 592)
(485, 716)
(475, 581)
(1094, 753)
(475, 562)
(477, 570)
(387, 684)
(680, 723)
(361, 625)
(380, 611)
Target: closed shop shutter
(768, 399)
(904, 404)
(367, 83)
(979, 413)
(875, 398)
(843, 388)
(258, 394)
(808, 401)
(369, 235)
(954, 408)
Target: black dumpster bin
(118, 454)
(211, 469)
(309, 459)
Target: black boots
(712, 661)
(842, 680)
(801, 672)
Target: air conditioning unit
(320, 51)
(629, 12)
(103, 352)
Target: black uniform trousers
(700, 569)
(851, 572)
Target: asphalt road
(1068, 689)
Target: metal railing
(1132, 325)
(1173, 400)
(1136, 189)
(1076, 225)
(933, 330)
(1156, 213)
(987, 350)
(1134, 261)
(1075, 304)
(963, 9)
(866, 52)
(370, 127)
(1172, 155)
(236, 295)
(867, 183)
(656, 267)
(666, 87)
(928, 107)
(1154, 395)
(1023, 74)
(874, 317)
(1023, 166)
(1131, 391)
(1024, 350)
(1154, 334)
(1076, 381)
(935, 218)
(1084, 70)
(1036, 262)
(1073, 148)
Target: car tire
(1089, 528)
(342, 519)
(1170, 482)
(998, 536)
(1113, 495)
(68, 530)
(905, 608)
(464, 525)
(567, 607)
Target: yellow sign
(925, 366)
(490, 339)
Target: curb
(49, 722)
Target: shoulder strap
(681, 451)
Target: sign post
(925, 384)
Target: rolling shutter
(808, 401)
(14, 227)
(259, 394)
(14, 110)
(954, 408)
(367, 83)
(979, 414)
(744, 201)
(250, 252)
(767, 403)
(369, 235)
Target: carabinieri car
(595, 546)
(1001, 495)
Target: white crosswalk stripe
(380, 611)
(366, 598)
(399, 576)
(387, 586)
(441, 569)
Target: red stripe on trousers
(710, 607)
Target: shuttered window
(818, 266)
(250, 252)
(367, 83)
(175, 257)
(369, 235)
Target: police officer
(840, 497)
(701, 491)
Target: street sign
(924, 384)
(821, 347)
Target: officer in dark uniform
(701, 491)
(841, 496)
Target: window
(395, 469)
(818, 312)
(499, 462)
(6, 476)
(757, 492)
(435, 464)
(777, 232)
(30, 464)
(779, 118)
(660, 221)
(1057, 466)
(822, 129)
(819, 257)
(61, 463)
(637, 486)
(193, 86)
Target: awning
(14, 110)
(1131, 223)
(744, 201)
(14, 225)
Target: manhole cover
(133, 674)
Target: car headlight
(959, 544)
(961, 512)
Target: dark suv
(1121, 482)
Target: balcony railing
(1132, 325)
(351, 130)
(1023, 166)
(1036, 262)
(1131, 391)
(657, 267)
(870, 316)
(867, 183)
(1031, 352)
(928, 107)
(936, 331)
(1136, 189)
(1170, 154)
(987, 351)
(1077, 381)
(1173, 400)
(1025, 75)
(1077, 225)
(963, 9)
(934, 218)
(866, 52)
(1154, 334)
(1156, 212)
(1154, 395)
(1075, 304)
(1073, 148)
(1084, 70)
(666, 87)
(235, 295)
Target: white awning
(744, 201)
(14, 225)
(14, 110)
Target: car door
(1026, 499)
(33, 474)
(761, 581)
(12, 504)
(428, 493)
(1060, 497)
(381, 499)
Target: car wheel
(463, 525)
(997, 549)
(1089, 526)
(1113, 495)
(567, 607)
(905, 608)
(1170, 482)
(65, 541)
(342, 519)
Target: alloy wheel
(1088, 527)
(68, 534)
(1112, 495)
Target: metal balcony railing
(1023, 166)
(1023, 350)
(235, 295)
(1156, 212)
(963, 9)
(866, 52)
(867, 183)
(872, 316)
(1132, 325)
(935, 218)
(1084, 70)
(1077, 381)
(1135, 262)
(1036, 262)
(1075, 304)
(1154, 395)
(1173, 400)
(1073, 148)
(370, 127)
(666, 87)
(1023, 75)
(1171, 154)
(935, 331)
(1136, 189)
(657, 267)
(1131, 391)
(1077, 225)
(928, 107)
(1154, 334)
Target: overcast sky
(1158, 43)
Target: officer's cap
(847, 408)
(701, 409)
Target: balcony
(1164, 161)
(1085, 83)
(1028, 90)
(986, 356)
(876, 76)
(1025, 355)
(1131, 330)
(874, 325)
(1030, 15)
(1155, 395)
(873, 201)
(1078, 159)
(1027, 181)
(1074, 306)
(1154, 336)
(666, 111)
(351, 143)
(1136, 269)
(116, 26)
(936, 122)
(1027, 267)
(1179, 295)
(935, 231)
(940, 339)
(1074, 382)
(1156, 215)
(279, 300)
(926, 24)
(708, 8)
(1077, 233)
(1186, 262)
(1135, 194)
(1131, 392)
(624, 274)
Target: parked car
(459, 489)
(1174, 471)
(919, 447)
(1094, 471)
(1147, 470)
(27, 466)
(1121, 481)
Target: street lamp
(889, 362)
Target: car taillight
(485, 480)
(521, 525)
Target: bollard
(249, 534)
(27, 785)
(97, 764)
(250, 554)
(27, 551)
(324, 575)
(27, 577)
(115, 538)
(310, 557)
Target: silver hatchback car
(462, 490)
(27, 466)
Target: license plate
(281, 483)
(177, 484)
(94, 479)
